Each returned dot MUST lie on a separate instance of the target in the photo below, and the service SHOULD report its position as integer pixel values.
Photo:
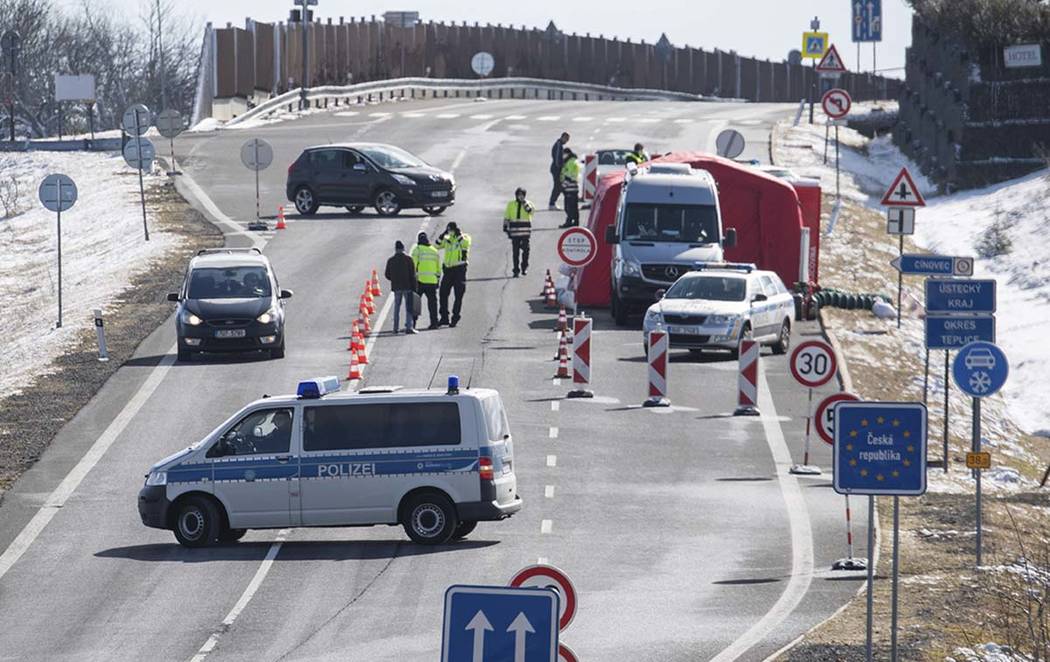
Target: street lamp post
(304, 19)
(160, 50)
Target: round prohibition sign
(826, 415)
(565, 654)
(577, 247)
(813, 363)
(836, 103)
(547, 576)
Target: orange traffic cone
(366, 326)
(546, 281)
(280, 218)
(376, 290)
(552, 301)
(359, 340)
(355, 371)
(563, 321)
(362, 307)
(352, 345)
(369, 300)
(563, 359)
(362, 353)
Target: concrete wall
(967, 119)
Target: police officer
(456, 245)
(517, 223)
(557, 161)
(639, 155)
(428, 263)
(570, 185)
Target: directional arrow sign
(903, 192)
(933, 265)
(486, 623)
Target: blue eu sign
(500, 624)
(980, 369)
(880, 448)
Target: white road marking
(380, 320)
(683, 120)
(229, 226)
(448, 116)
(616, 120)
(712, 136)
(516, 118)
(552, 460)
(553, 433)
(548, 491)
(546, 526)
(413, 115)
(380, 114)
(57, 499)
(555, 405)
(548, 118)
(481, 116)
(649, 120)
(347, 113)
(458, 160)
(583, 118)
(246, 597)
(556, 381)
(801, 533)
(542, 560)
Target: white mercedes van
(436, 462)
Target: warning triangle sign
(903, 192)
(831, 63)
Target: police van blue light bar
(312, 389)
(746, 267)
(453, 385)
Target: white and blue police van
(435, 462)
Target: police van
(435, 462)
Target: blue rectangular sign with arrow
(880, 448)
(960, 296)
(500, 624)
(957, 331)
(933, 265)
(867, 20)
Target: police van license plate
(684, 330)
(440, 194)
(229, 333)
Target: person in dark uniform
(557, 160)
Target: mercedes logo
(671, 272)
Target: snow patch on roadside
(102, 248)
(990, 652)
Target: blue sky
(763, 28)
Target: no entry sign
(577, 247)
(813, 363)
(547, 576)
(826, 415)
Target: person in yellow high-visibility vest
(517, 223)
(428, 273)
(456, 246)
(570, 186)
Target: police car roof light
(453, 385)
(312, 389)
(746, 267)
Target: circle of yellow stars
(880, 420)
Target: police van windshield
(495, 418)
(709, 288)
(229, 283)
(687, 224)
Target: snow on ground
(989, 652)
(102, 247)
(951, 224)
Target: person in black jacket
(401, 272)
(557, 160)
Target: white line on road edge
(548, 491)
(372, 337)
(552, 460)
(555, 405)
(458, 160)
(57, 499)
(546, 526)
(229, 226)
(553, 432)
(246, 597)
(801, 533)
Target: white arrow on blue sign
(867, 20)
(500, 624)
(960, 296)
(933, 265)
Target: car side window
(768, 287)
(262, 432)
(326, 159)
(350, 159)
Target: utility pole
(10, 42)
(304, 18)
(160, 50)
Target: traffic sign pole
(900, 280)
(58, 217)
(977, 449)
(893, 583)
(871, 579)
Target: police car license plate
(440, 194)
(684, 330)
(229, 333)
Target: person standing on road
(401, 272)
(639, 155)
(517, 223)
(570, 184)
(456, 245)
(557, 161)
(427, 262)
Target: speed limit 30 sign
(813, 363)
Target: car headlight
(654, 317)
(631, 268)
(721, 319)
(267, 317)
(157, 478)
(191, 319)
(404, 181)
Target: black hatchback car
(230, 302)
(358, 175)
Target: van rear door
(499, 448)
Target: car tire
(386, 203)
(619, 311)
(277, 352)
(355, 209)
(305, 201)
(184, 355)
(229, 535)
(783, 343)
(435, 211)
(745, 334)
(430, 519)
(197, 522)
(464, 529)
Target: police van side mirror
(730, 238)
(286, 294)
(173, 296)
(610, 235)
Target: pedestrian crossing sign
(814, 44)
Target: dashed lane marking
(481, 116)
(552, 460)
(583, 118)
(517, 118)
(548, 491)
(616, 120)
(448, 116)
(684, 120)
(553, 433)
(548, 118)
(458, 160)
(555, 405)
(380, 114)
(413, 115)
(546, 526)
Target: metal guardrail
(72, 145)
(524, 88)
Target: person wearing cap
(639, 155)
(427, 262)
(517, 223)
(570, 186)
(401, 272)
(456, 245)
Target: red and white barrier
(850, 562)
(747, 383)
(658, 346)
(590, 179)
(581, 357)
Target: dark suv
(230, 302)
(357, 175)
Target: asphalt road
(684, 534)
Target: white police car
(435, 462)
(718, 303)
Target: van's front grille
(663, 273)
(228, 323)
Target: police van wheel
(464, 529)
(434, 211)
(185, 355)
(783, 342)
(619, 311)
(430, 519)
(745, 334)
(197, 522)
(232, 535)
